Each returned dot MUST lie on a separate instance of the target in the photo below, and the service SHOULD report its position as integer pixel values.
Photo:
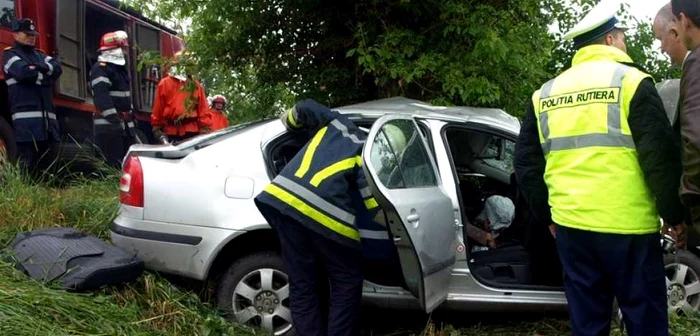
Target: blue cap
(25, 26)
(599, 21)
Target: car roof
(405, 106)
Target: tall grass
(148, 306)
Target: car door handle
(413, 218)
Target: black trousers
(311, 262)
(599, 267)
(36, 156)
(112, 143)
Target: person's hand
(490, 242)
(553, 231)
(678, 233)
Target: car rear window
(205, 140)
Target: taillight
(131, 183)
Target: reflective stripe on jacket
(592, 171)
(315, 187)
(29, 75)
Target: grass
(152, 305)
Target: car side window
(400, 157)
(496, 159)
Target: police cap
(25, 26)
(599, 21)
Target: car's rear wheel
(255, 290)
(683, 281)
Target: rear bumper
(184, 250)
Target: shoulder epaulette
(8, 48)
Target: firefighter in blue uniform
(29, 74)
(313, 205)
(109, 80)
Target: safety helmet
(113, 40)
(219, 99)
(396, 138)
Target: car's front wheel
(682, 284)
(255, 290)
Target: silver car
(187, 209)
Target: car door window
(400, 156)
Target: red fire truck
(72, 30)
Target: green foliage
(264, 55)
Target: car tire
(255, 290)
(682, 274)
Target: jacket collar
(23, 46)
(599, 52)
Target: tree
(490, 53)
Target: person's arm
(529, 163)
(308, 115)
(690, 133)
(361, 181)
(101, 83)
(658, 150)
(54, 69)
(19, 69)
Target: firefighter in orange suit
(217, 113)
(180, 109)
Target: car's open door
(403, 177)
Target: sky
(645, 8)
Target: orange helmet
(113, 40)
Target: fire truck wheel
(8, 147)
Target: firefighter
(29, 75)
(310, 206)
(111, 89)
(217, 113)
(180, 110)
(598, 162)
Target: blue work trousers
(311, 261)
(599, 267)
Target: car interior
(526, 256)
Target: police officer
(29, 74)
(597, 159)
(109, 80)
(310, 206)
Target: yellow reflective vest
(592, 174)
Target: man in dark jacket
(29, 74)
(310, 205)
(109, 80)
(598, 161)
(688, 17)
